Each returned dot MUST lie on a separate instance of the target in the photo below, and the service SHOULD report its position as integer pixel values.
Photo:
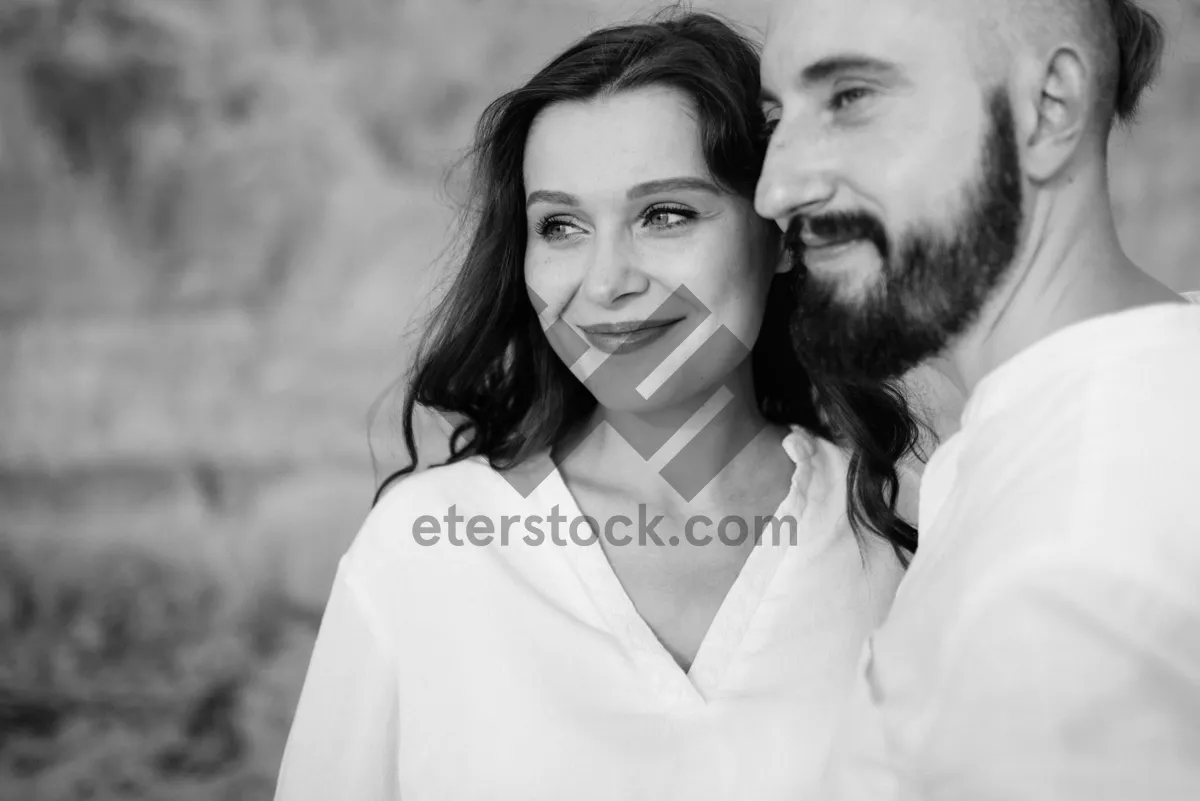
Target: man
(939, 167)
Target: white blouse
(522, 671)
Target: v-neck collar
(737, 610)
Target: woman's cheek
(743, 317)
(550, 290)
(735, 288)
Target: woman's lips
(616, 338)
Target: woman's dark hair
(485, 359)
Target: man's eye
(771, 120)
(847, 96)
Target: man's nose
(798, 175)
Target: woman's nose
(613, 271)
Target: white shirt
(523, 671)
(1045, 644)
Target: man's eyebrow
(548, 196)
(829, 68)
(673, 185)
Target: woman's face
(633, 249)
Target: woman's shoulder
(821, 464)
(818, 490)
(828, 462)
(414, 503)
(822, 467)
(438, 482)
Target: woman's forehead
(614, 141)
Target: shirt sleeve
(1067, 684)
(343, 741)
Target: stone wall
(219, 224)
(201, 298)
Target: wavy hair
(485, 360)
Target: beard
(935, 280)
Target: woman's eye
(667, 217)
(555, 228)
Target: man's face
(895, 175)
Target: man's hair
(1124, 41)
(1127, 42)
(1139, 39)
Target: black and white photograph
(603, 400)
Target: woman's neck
(705, 452)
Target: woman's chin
(675, 402)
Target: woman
(590, 600)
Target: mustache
(836, 225)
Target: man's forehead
(802, 31)
(816, 9)
(840, 23)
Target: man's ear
(1054, 108)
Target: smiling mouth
(833, 248)
(616, 338)
(814, 242)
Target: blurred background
(219, 220)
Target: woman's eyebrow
(641, 190)
(673, 185)
(550, 196)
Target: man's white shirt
(1045, 643)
